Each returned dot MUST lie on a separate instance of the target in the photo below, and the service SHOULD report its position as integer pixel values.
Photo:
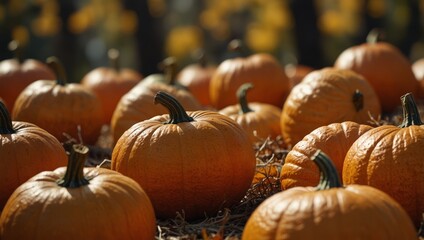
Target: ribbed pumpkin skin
(262, 70)
(25, 153)
(262, 122)
(390, 158)
(334, 139)
(199, 166)
(325, 96)
(60, 109)
(384, 67)
(111, 206)
(138, 105)
(353, 212)
(110, 85)
(15, 76)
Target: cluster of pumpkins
(183, 143)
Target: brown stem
(177, 114)
(113, 55)
(241, 95)
(74, 176)
(329, 178)
(411, 115)
(358, 100)
(169, 66)
(16, 50)
(55, 64)
(236, 46)
(375, 35)
(6, 126)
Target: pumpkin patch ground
(228, 223)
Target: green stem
(55, 64)
(375, 35)
(411, 115)
(241, 95)
(74, 176)
(177, 114)
(358, 100)
(16, 50)
(329, 177)
(113, 55)
(6, 126)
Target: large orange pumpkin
(25, 150)
(390, 158)
(384, 67)
(111, 83)
(197, 162)
(78, 203)
(327, 96)
(329, 211)
(60, 107)
(17, 73)
(261, 69)
(334, 139)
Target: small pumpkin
(74, 202)
(296, 72)
(17, 73)
(111, 83)
(418, 70)
(196, 78)
(197, 162)
(390, 158)
(261, 69)
(259, 120)
(383, 66)
(326, 96)
(334, 139)
(329, 211)
(60, 107)
(25, 150)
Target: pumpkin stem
(236, 46)
(411, 115)
(169, 65)
(113, 55)
(177, 114)
(241, 95)
(74, 176)
(375, 35)
(16, 50)
(55, 64)
(329, 177)
(358, 100)
(6, 126)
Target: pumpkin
(17, 73)
(138, 104)
(197, 162)
(390, 158)
(384, 67)
(334, 139)
(261, 69)
(60, 107)
(329, 211)
(74, 202)
(296, 72)
(196, 78)
(25, 150)
(326, 96)
(111, 83)
(418, 70)
(259, 120)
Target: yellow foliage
(181, 41)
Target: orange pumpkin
(296, 72)
(418, 70)
(60, 107)
(78, 203)
(259, 120)
(329, 211)
(261, 69)
(384, 67)
(25, 150)
(111, 83)
(390, 158)
(334, 139)
(327, 96)
(17, 73)
(197, 162)
(196, 78)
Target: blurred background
(308, 32)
